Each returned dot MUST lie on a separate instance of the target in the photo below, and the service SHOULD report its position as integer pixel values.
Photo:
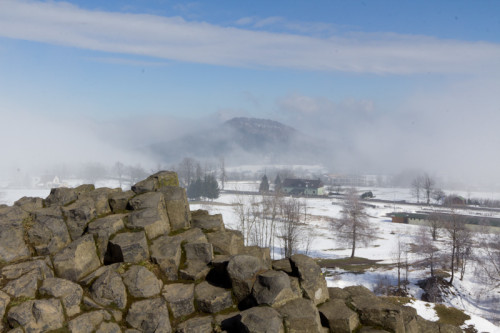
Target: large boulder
(100, 197)
(226, 242)
(166, 252)
(153, 221)
(261, 320)
(24, 286)
(129, 247)
(4, 302)
(243, 270)
(196, 325)
(194, 270)
(118, 201)
(141, 282)
(149, 316)
(37, 315)
(77, 259)
(61, 196)
(338, 316)
(87, 322)
(180, 298)
(375, 312)
(209, 223)
(156, 182)
(48, 234)
(78, 215)
(300, 315)
(68, 292)
(12, 245)
(109, 289)
(41, 265)
(105, 227)
(311, 279)
(199, 251)
(178, 211)
(29, 204)
(212, 299)
(273, 288)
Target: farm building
(303, 187)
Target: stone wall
(104, 260)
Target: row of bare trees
(273, 220)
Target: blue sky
(344, 69)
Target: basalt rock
(105, 260)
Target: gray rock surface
(78, 215)
(242, 270)
(166, 252)
(60, 196)
(152, 221)
(300, 315)
(118, 201)
(261, 320)
(109, 289)
(194, 270)
(129, 247)
(228, 242)
(311, 279)
(211, 299)
(77, 259)
(209, 223)
(180, 298)
(68, 292)
(87, 322)
(199, 251)
(37, 315)
(178, 211)
(273, 288)
(141, 282)
(339, 317)
(48, 234)
(149, 316)
(12, 226)
(196, 325)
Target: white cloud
(176, 39)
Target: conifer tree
(264, 185)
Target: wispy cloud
(131, 62)
(177, 39)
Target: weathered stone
(367, 329)
(78, 215)
(37, 315)
(243, 270)
(68, 292)
(311, 279)
(129, 247)
(375, 312)
(42, 266)
(194, 270)
(300, 315)
(338, 316)
(201, 219)
(337, 293)
(359, 291)
(141, 282)
(12, 245)
(154, 200)
(144, 186)
(199, 251)
(104, 228)
(153, 221)
(100, 197)
(118, 201)
(273, 288)
(60, 196)
(283, 265)
(48, 234)
(149, 316)
(109, 289)
(24, 286)
(211, 299)
(108, 328)
(196, 325)
(262, 253)
(178, 211)
(87, 322)
(194, 235)
(29, 204)
(84, 188)
(226, 242)
(261, 320)
(165, 179)
(89, 279)
(78, 259)
(180, 298)
(166, 252)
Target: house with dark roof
(303, 187)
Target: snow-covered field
(472, 295)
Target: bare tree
(434, 221)
(398, 256)
(353, 227)
(416, 188)
(245, 211)
(490, 259)
(119, 169)
(427, 186)
(291, 231)
(426, 248)
(455, 227)
(438, 195)
(187, 171)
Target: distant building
(303, 187)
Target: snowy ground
(471, 294)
